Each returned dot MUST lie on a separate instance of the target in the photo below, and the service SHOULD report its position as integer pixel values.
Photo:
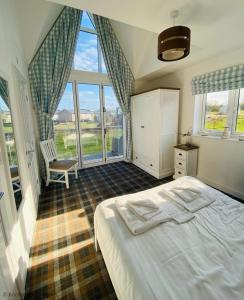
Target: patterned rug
(64, 263)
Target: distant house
(63, 115)
(86, 115)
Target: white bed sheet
(202, 259)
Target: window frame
(98, 78)
(99, 50)
(232, 114)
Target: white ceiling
(216, 28)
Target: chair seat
(62, 164)
(14, 172)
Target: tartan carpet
(64, 263)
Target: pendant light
(174, 42)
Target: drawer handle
(151, 165)
(142, 126)
(180, 163)
(179, 172)
(136, 157)
(180, 154)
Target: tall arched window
(88, 123)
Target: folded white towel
(188, 188)
(144, 208)
(168, 212)
(186, 195)
(202, 201)
(143, 202)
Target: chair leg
(48, 178)
(66, 174)
(76, 173)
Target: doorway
(88, 124)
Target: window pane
(240, 116)
(114, 124)
(90, 122)
(8, 133)
(86, 21)
(216, 110)
(86, 54)
(64, 126)
(11, 150)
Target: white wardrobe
(155, 130)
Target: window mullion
(203, 114)
(231, 120)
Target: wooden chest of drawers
(185, 160)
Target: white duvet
(201, 259)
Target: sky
(219, 98)
(3, 106)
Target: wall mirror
(8, 131)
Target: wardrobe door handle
(180, 154)
(179, 172)
(151, 165)
(142, 126)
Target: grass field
(214, 121)
(66, 140)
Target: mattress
(201, 259)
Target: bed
(201, 259)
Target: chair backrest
(48, 151)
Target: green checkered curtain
(119, 73)
(221, 80)
(50, 68)
(4, 91)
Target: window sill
(215, 137)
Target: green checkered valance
(221, 80)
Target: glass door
(91, 137)
(113, 122)
(64, 123)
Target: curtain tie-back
(127, 114)
(46, 115)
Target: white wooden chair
(14, 171)
(61, 167)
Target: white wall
(35, 19)
(19, 226)
(221, 162)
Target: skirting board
(154, 173)
(225, 189)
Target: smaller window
(88, 54)
(216, 111)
